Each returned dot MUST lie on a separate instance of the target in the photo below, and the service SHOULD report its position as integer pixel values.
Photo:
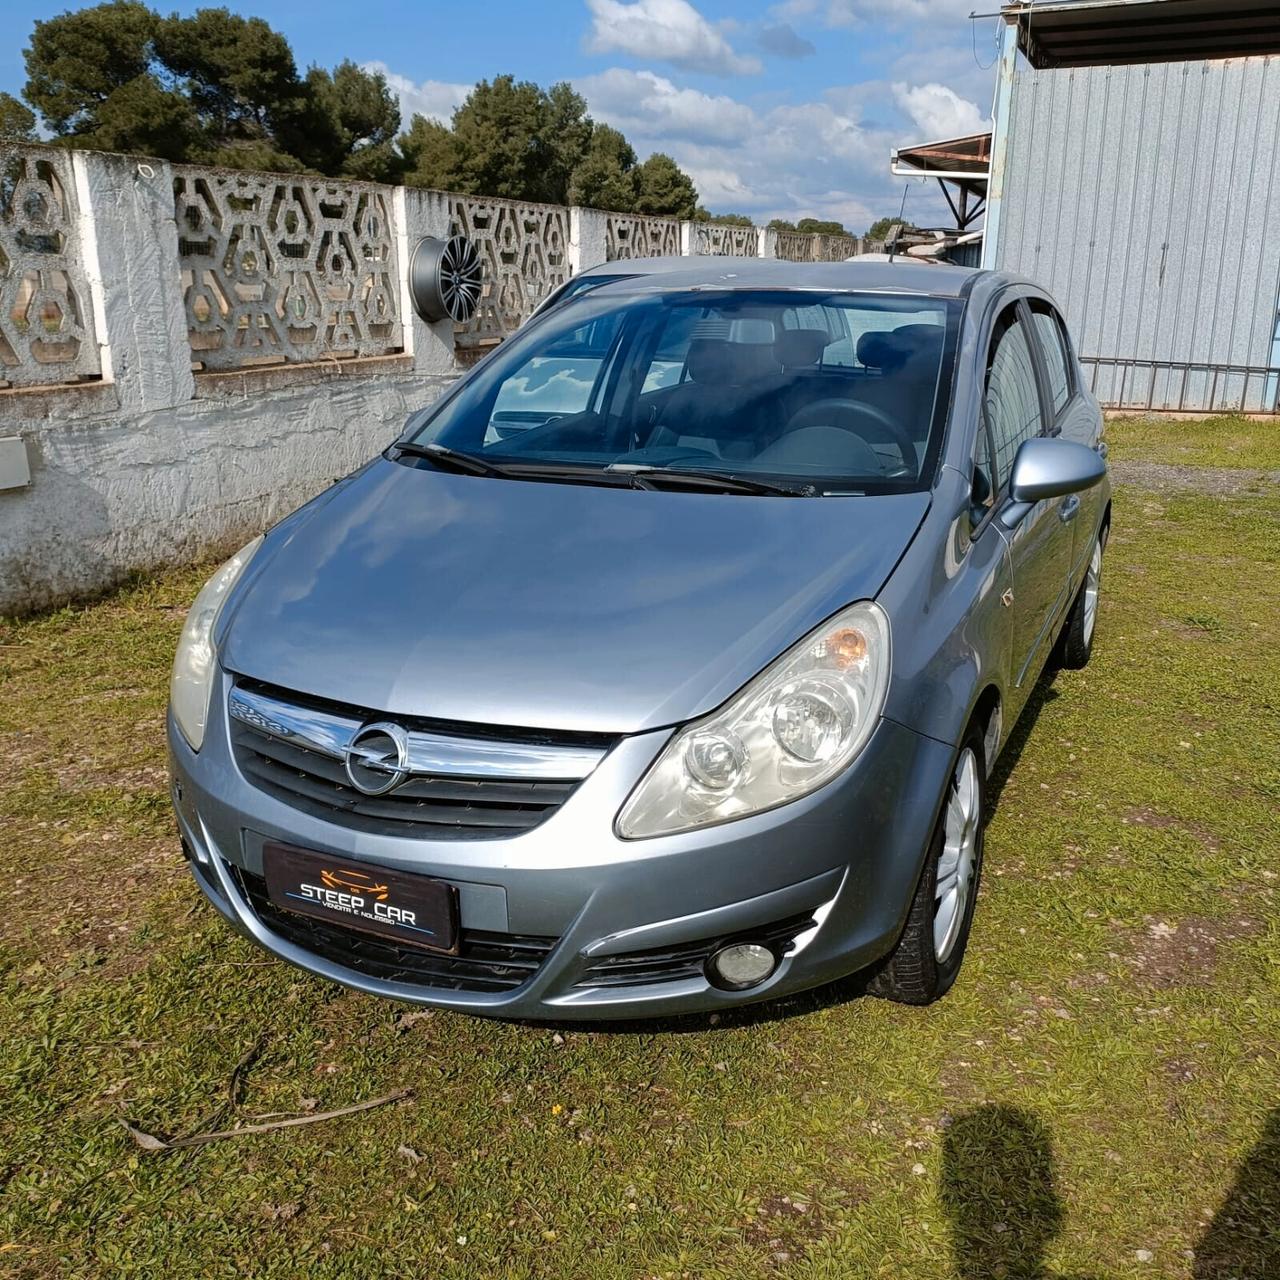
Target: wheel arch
(988, 713)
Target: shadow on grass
(1243, 1240)
(999, 1190)
(1041, 696)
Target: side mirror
(1049, 468)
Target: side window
(1053, 344)
(984, 488)
(1012, 398)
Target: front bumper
(847, 858)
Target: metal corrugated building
(1143, 190)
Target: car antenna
(902, 208)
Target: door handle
(1069, 508)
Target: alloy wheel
(1091, 582)
(957, 863)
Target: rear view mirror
(1050, 468)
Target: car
(606, 273)
(662, 664)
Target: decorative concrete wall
(187, 354)
(155, 462)
(46, 332)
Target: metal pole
(1001, 115)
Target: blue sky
(777, 109)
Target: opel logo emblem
(377, 758)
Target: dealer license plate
(411, 910)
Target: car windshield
(838, 392)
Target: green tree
(662, 187)
(605, 177)
(17, 120)
(819, 226)
(429, 155)
(781, 224)
(143, 116)
(569, 132)
(354, 119)
(724, 219)
(879, 229)
(239, 77)
(213, 86)
(77, 61)
(504, 147)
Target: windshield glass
(840, 390)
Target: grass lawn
(1225, 441)
(1095, 1098)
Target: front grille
(485, 961)
(291, 747)
(687, 960)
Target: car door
(1076, 416)
(1015, 410)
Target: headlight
(783, 735)
(193, 667)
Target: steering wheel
(819, 414)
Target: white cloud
(852, 13)
(794, 160)
(939, 112)
(435, 99)
(665, 31)
(643, 102)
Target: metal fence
(46, 319)
(1183, 387)
(1145, 198)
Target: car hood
(559, 606)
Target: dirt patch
(1185, 954)
(1142, 816)
(1168, 477)
(785, 1228)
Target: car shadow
(1040, 697)
(998, 1187)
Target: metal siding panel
(1013, 232)
(1147, 200)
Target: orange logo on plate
(354, 882)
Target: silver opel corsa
(661, 665)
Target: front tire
(924, 964)
(1077, 635)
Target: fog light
(741, 965)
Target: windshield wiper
(637, 474)
(535, 469)
(648, 476)
(454, 459)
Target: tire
(928, 955)
(1076, 645)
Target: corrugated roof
(1115, 32)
